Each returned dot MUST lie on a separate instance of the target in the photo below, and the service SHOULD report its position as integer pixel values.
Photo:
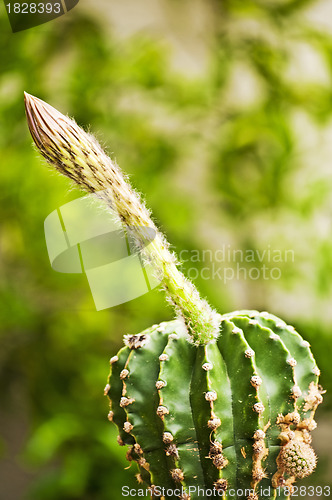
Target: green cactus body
(221, 403)
(221, 415)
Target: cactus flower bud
(78, 155)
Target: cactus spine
(208, 404)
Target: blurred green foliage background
(221, 112)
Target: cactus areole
(208, 404)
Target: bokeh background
(221, 113)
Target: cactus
(208, 404)
(236, 413)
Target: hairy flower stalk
(77, 154)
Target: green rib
(201, 411)
(220, 381)
(115, 394)
(240, 370)
(148, 428)
(304, 370)
(278, 379)
(177, 371)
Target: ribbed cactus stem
(78, 155)
(235, 416)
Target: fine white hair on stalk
(77, 154)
